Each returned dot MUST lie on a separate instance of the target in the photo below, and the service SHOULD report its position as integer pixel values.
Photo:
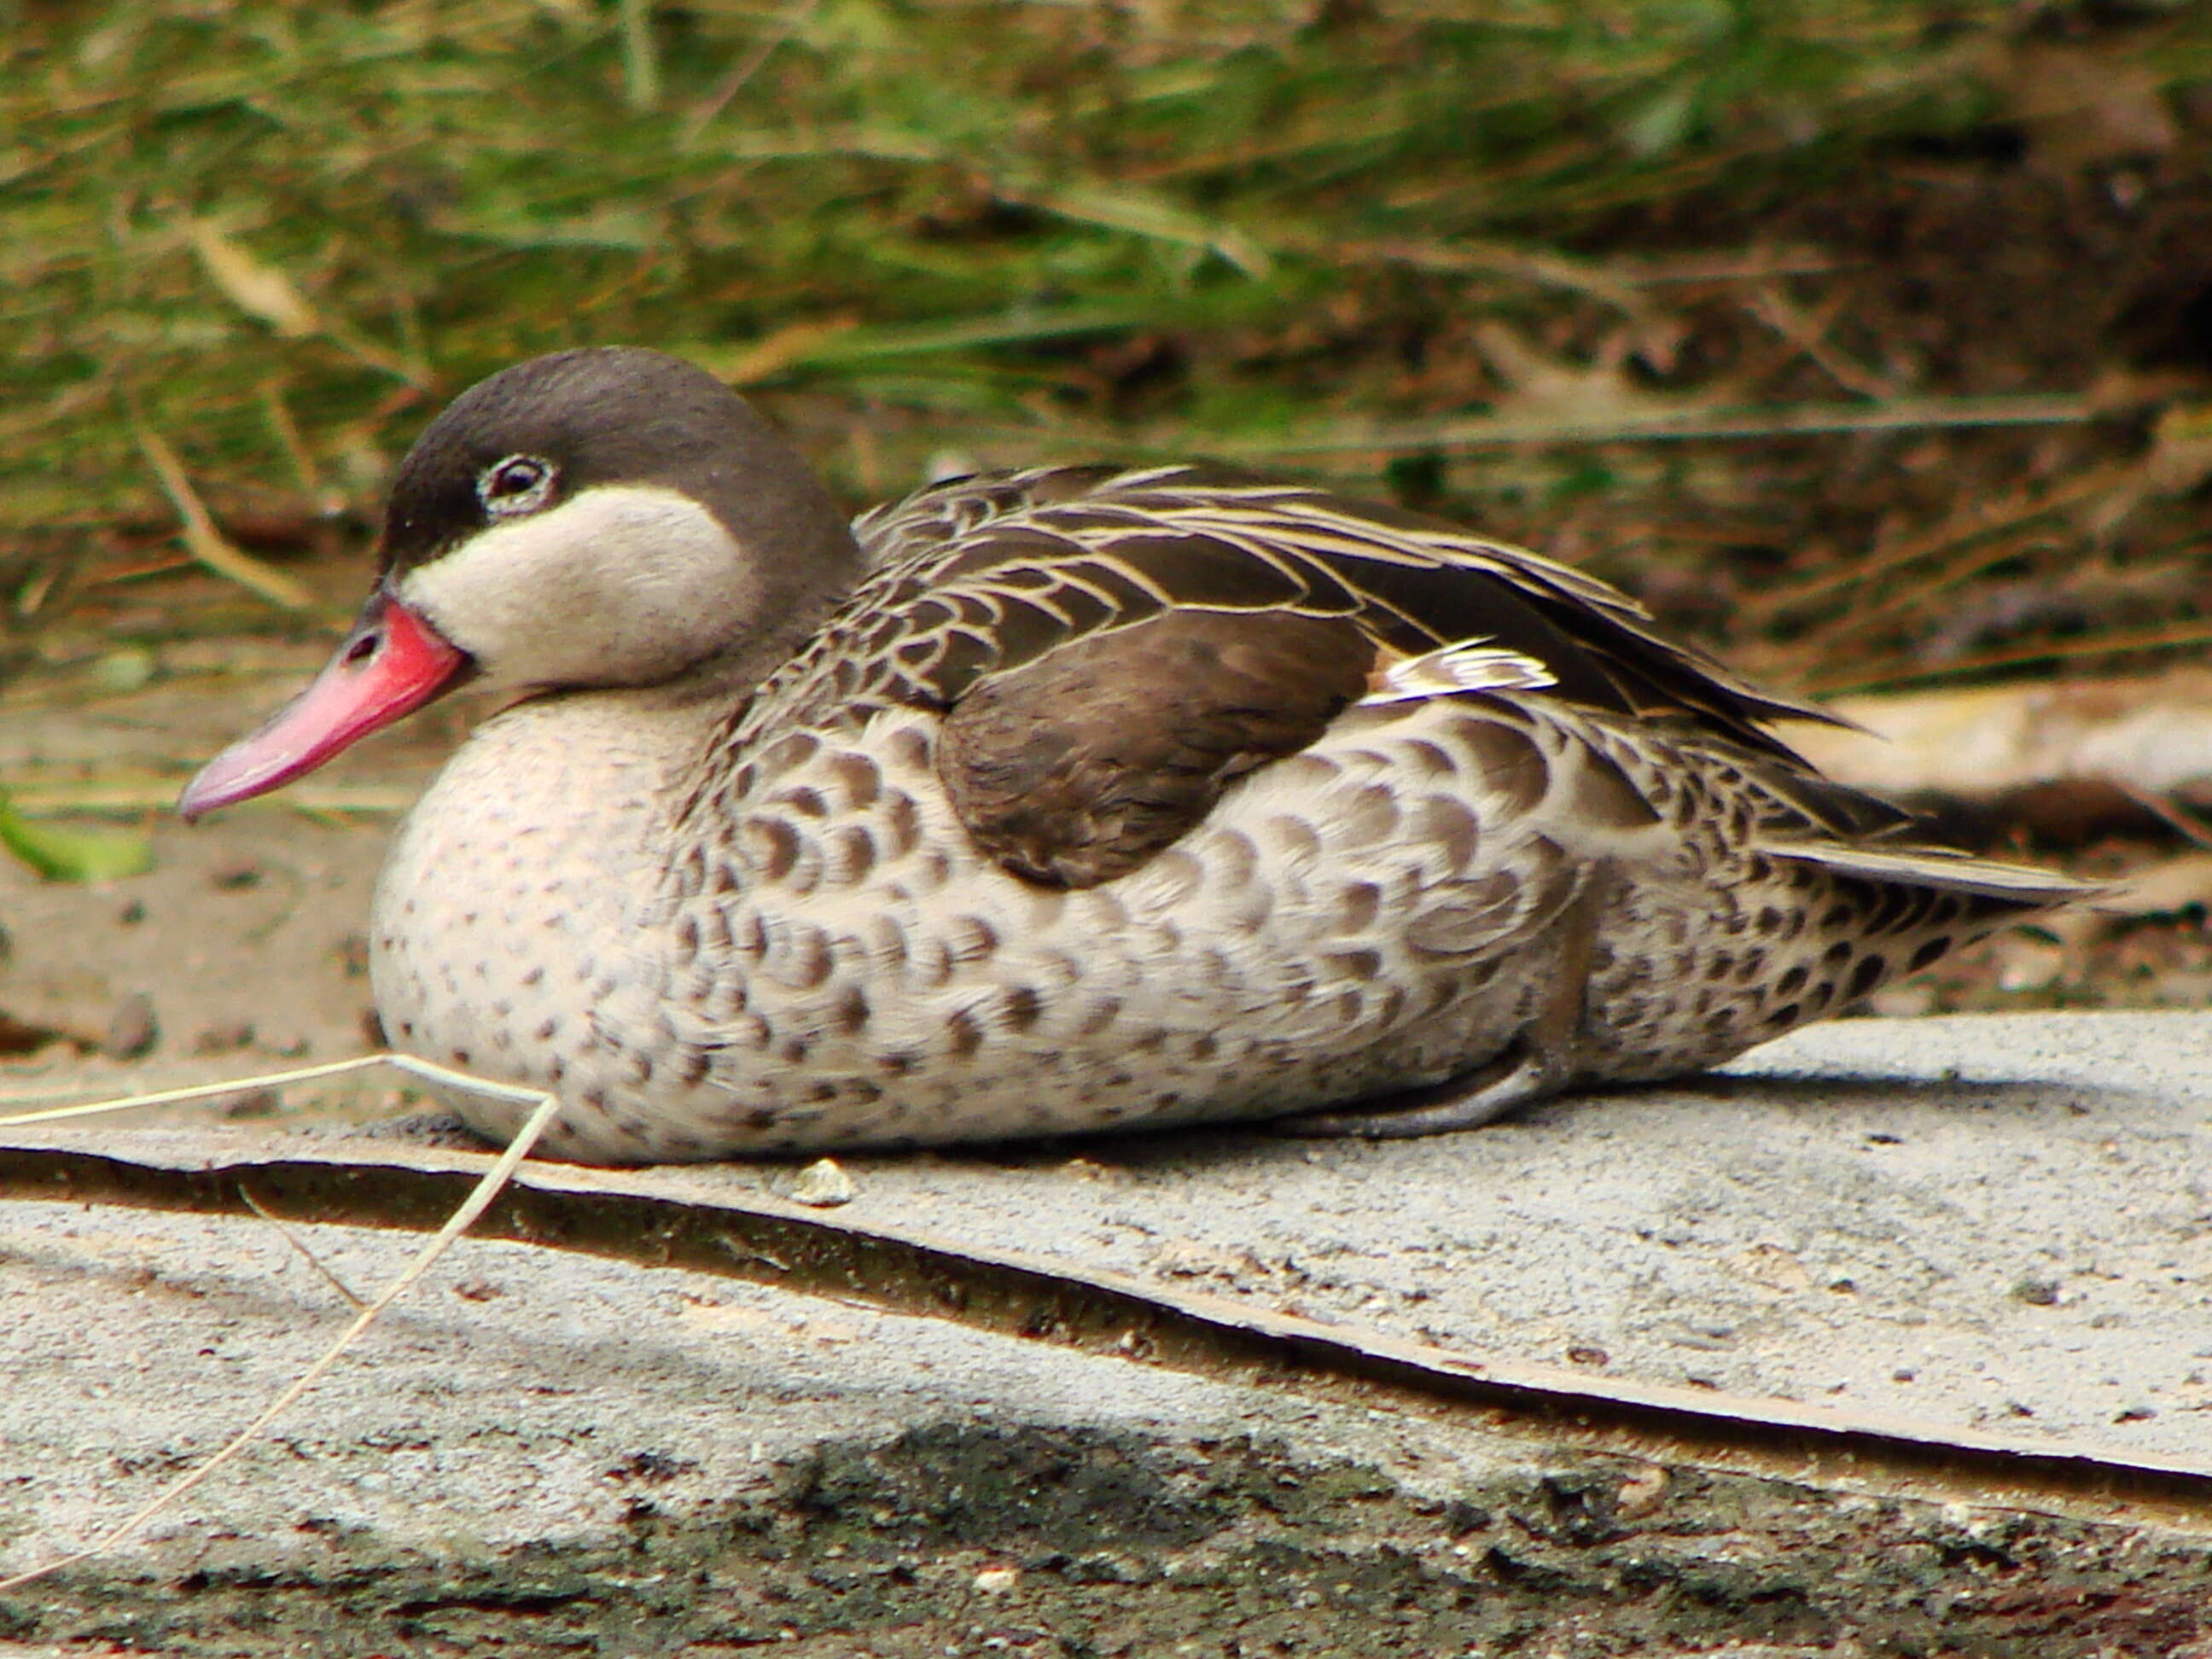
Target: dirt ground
(240, 950)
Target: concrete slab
(1993, 1223)
(543, 1453)
(2003, 1222)
(553, 1453)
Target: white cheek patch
(623, 584)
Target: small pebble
(132, 1029)
(223, 1039)
(822, 1184)
(232, 877)
(1641, 1492)
(23, 1036)
(251, 1103)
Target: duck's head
(609, 517)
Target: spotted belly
(836, 965)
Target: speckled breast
(832, 963)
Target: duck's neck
(604, 751)
(560, 803)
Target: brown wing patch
(1080, 765)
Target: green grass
(276, 236)
(238, 213)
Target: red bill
(391, 665)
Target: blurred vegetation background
(1860, 337)
(1869, 340)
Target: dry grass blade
(159, 794)
(1809, 334)
(1979, 520)
(185, 1092)
(1668, 425)
(747, 67)
(2186, 825)
(262, 291)
(256, 287)
(1538, 266)
(2114, 644)
(299, 1246)
(1899, 604)
(287, 432)
(202, 540)
(544, 1108)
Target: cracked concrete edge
(556, 1454)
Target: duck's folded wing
(997, 567)
(1110, 648)
(1078, 767)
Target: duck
(1066, 800)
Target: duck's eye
(518, 484)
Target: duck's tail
(2005, 890)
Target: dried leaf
(255, 287)
(2084, 104)
(2179, 885)
(202, 540)
(1601, 393)
(2150, 736)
